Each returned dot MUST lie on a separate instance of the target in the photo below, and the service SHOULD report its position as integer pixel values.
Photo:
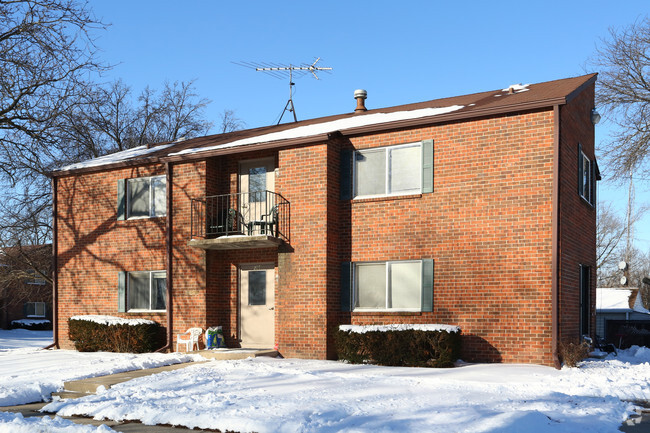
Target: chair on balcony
(190, 339)
(226, 222)
(268, 223)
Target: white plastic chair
(190, 339)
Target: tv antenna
(280, 72)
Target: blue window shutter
(121, 199)
(592, 184)
(121, 292)
(427, 166)
(346, 175)
(346, 286)
(427, 284)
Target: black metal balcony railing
(245, 213)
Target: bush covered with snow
(399, 345)
(114, 334)
(32, 324)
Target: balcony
(240, 221)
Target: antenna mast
(278, 72)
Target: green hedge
(409, 347)
(90, 336)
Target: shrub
(571, 353)
(32, 324)
(121, 335)
(399, 346)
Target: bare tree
(623, 95)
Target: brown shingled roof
(547, 94)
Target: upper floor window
(586, 178)
(394, 170)
(35, 278)
(142, 197)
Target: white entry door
(257, 306)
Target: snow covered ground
(290, 395)
(29, 374)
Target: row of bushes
(32, 324)
(133, 337)
(404, 347)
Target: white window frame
(36, 305)
(387, 297)
(152, 213)
(587, 173)
(387, 172)
(151, 279)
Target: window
(35, 278)
(394, 170)
(147, 291)
(387, 286)
(34, 309)
(257, 288)
(257, 184)
(146, 197)
(586, 178)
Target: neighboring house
(24, 292)
(618, 304)
(476, 211)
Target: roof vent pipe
(360, 95)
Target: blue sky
(400, 52)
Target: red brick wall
(94, 246)
(487, 225)
(577, 240)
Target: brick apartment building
(476, 211)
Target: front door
(257, 306)
(255, 178)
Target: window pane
(39, 309)
(405, 285)
(370, 171)
(257, 288)
(371, 285)
(138, 197)
(405, 172)
(257, 184)
(159, 291)
(138, 290)
(586, 174)
(159, 200)
(30, 309)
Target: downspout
(555, 237)
(169, 239)
(55, 268)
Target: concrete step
(226, 354)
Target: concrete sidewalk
(79, 388)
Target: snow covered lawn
(289, 395)
(29, 374)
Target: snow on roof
(112, 320)
(613, 299)
(362, 329)
(517, 88)
(124, 155)
(327, 127)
